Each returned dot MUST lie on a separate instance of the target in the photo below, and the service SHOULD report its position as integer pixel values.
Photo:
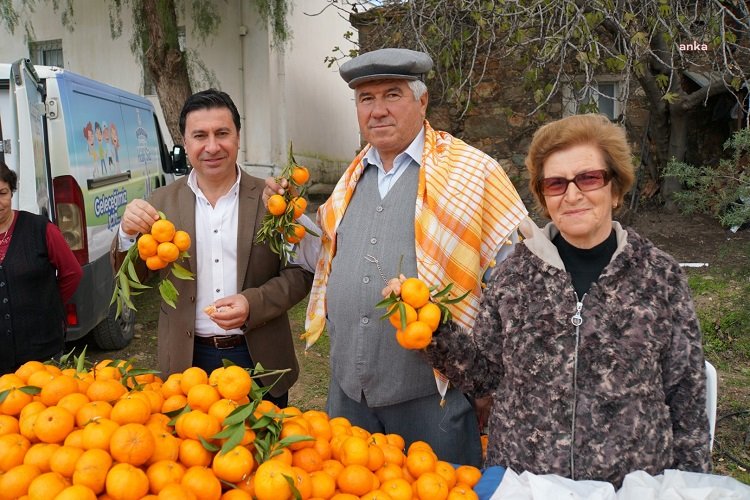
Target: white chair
(712, 389)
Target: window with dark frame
(47, 53)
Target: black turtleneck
(585, 265)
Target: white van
(82, 150)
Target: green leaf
(4, 395)
(134, 372)
(662, 80)
(402, 314)
(131, 271)
(639, 39)
(444, 291)
(239, 414)
(168, 292)
(295, 491)
(138, 285)
(182, 273)
(228, 430)
(125, 299)
(234, 435)
(457, 299)
(176, 413)
(293, 439)
(388, 301)
(261, 423)
(207, 445)
(30, 389)
(81, 360)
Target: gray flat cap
(385, 64)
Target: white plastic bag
(681, 485)
(530, 486)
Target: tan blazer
(270, 289)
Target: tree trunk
(165, 62)
(678, 133)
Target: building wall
(283, 95)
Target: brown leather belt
(221, 341)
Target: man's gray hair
(418, 88)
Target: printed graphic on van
(114, 152)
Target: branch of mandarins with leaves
(417, 310)
(163, 247)
(279, 227)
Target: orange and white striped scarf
(466, 209)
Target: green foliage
(722, 191)
(276, 12)
(721, 296)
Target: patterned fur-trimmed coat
(624, 391)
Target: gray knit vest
(365, 357)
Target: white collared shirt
(411, 156)
(214, 250)
(215, 254)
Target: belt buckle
(219, 338)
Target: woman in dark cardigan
(587, 337)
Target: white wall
(320, 104)
(88, 49)
(282, 96)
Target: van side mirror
(179, 160)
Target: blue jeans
(209, 358)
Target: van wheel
(114, 334)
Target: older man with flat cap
(414, 202)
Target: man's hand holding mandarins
(393, 285)
(139, 216)
(273, 187)
(230, 312)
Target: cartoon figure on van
(100, 147)
(115, 145)
(107, 146)
(144, 155)
(88, 134)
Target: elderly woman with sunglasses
(587, 337)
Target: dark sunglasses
(585, 181)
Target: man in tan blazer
(243, 285)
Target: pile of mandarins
(119, 433)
